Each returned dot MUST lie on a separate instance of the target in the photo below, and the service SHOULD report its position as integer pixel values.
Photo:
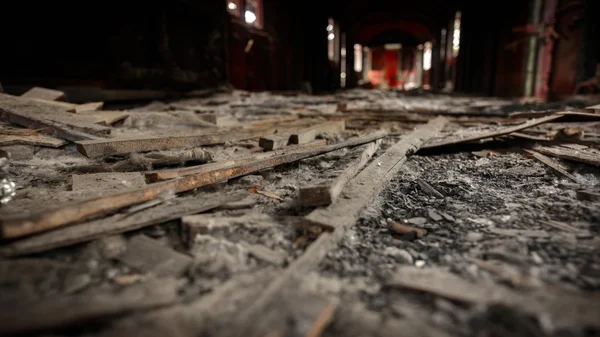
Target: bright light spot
(456, 35)
(358, 58)
(343, 75)
(420, 47)
(329, 28)
(343, 51)
(250, 17)
(331, 36)
(392, 46)
(427, 56)
(232, 6)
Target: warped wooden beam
(119, 146)
(160, 175)
(70, 213)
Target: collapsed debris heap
(176, 215)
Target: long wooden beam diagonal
(68, 214)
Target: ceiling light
(331, 36)
(329, 28)
(232, 6)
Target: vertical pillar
(532, 50)
(542, 82)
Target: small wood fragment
(265, 193)
(554, 166)
(44, 94)
(401, 229)
(309, 134)
(274, 142)
(429, 189)
(147, 255)
(327, 191)
(93, 106)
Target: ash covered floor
(184, 222)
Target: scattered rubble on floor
(257, 214)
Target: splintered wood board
(44, 94)
(35, 140)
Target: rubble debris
(107, 181)
(147, 255)
(44, 94)
(539, 302)
(265, 254)
(60, 312)
(325, 192)
(588, 195)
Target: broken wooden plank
(309, 134)
(462, 137)
(44, 94)
(86, 107)
(550, 163)
(107, 147)
(327, 191)
(61, 312)
(274, 142)
(148, 255)
(110, 181)
(33, 115)
(339, 216)
(594, 108)
(35, 140)
(590, 156)
(59, 104)
(161, 175)
(67, 214)
(116, 224)
(583, 307)
(105, 117)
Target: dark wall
(135, 44)
(589, 54)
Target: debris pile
(297, 215)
